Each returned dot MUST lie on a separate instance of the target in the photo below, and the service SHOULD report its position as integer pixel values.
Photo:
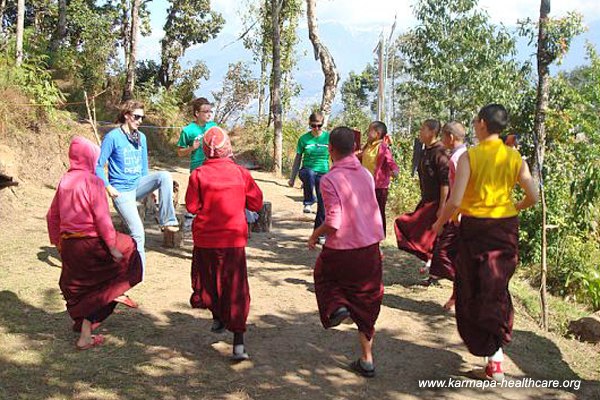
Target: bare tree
(276, 107)
(539, 132)
(322, 54)
(20, 30)
(130, 80)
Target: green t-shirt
(315, 151)
(187, 137)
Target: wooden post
(172, 239)
(265, 220)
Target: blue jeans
(126, 205)
(311, 183)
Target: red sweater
(218, 192)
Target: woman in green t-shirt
(313, 153)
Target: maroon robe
(381, 195)
(413, 230)
(487, 258)
(445, 250)
(351, 279)
(90, 279)
(220, 283)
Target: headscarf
(216, 143)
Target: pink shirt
(456, 153)
(80, 204)
(351, 208)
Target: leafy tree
(239, 89)
(189, 22)
(456, 60)
(258, 37)
(358, 97)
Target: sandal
(97, 340)
(124, 299)
(357, 367)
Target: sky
(351, 30)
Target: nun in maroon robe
(98, 264)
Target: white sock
(238, 349)
(498, 356)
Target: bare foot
(449, 304)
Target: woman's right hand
(291, 183)
(112, 192)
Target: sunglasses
(316, 125)
(138, 117)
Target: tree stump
(172, 239)
(265, 220)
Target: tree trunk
(327, 63)
(20, 31)
(539, 132)
(130, 81)
(381, 81)
(2, 11)
(125, 30)
(276, 90)
(61, 28)
(261, 87)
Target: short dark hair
(316, 116)
(495, 117)
(198, 103)
(456, 129)
(434, 125)
(380, 128)
(341, 139)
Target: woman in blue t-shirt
(124, 149)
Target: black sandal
(357, 367)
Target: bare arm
(295, 169)
(463, 173)
(186, 151)
(322, 230)
(443, 197)
(528, 184)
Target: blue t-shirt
(127, 161)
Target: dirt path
(164, 350)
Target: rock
(587, 328)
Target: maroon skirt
(352, 279)
(413, 230)
(90, 279)
(445, 250)
(220, 283)
(487, 258)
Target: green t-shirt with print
(315, 151)
(187, 137)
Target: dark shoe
(338, 316)
(217, 326)
(429, 282)
(357, 366)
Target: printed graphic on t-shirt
(132, 160)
